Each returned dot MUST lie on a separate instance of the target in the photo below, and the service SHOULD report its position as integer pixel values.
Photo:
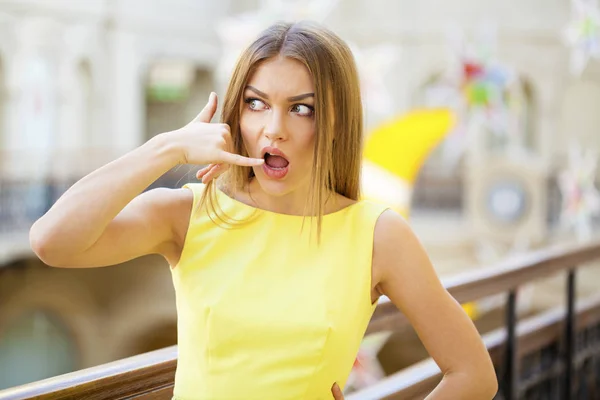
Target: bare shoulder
(389, 225)
(393, 238)
(182, 197)
(170, 201)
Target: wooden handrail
(119, 379)
(151, 375)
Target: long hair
(338, 112)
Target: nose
(275, 128)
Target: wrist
(164, 146)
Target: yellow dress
(264, 313)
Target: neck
(292, 203)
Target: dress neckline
(238, 203)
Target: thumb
(209, 109)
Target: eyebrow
(293, 98)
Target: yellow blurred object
(471, 309)
(395, 152)
(402, 145)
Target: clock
(507, 199)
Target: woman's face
(277, 123)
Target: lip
(274, 173)
(273, 151)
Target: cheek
(249, 130)
(309, 136)
(307, 141)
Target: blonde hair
(338, 112)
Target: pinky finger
(212, 173)
(203, 171)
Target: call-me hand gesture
(202, 142)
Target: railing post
(569, 351)
(509, 380)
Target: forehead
(282, 76)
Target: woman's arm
(408, 278)
(101, 220)
(104, 220)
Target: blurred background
(482, 128)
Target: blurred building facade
(77, 91)
(83, 82)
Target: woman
(278, 266)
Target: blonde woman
(276, 263)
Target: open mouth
(276, 161)
(276, 164)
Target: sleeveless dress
(264, 312)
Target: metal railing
(515, 380)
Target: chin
(273, 187)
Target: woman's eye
(303, 109)
(255, 104)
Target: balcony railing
(552, 355)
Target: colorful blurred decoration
(367, 369)
(395, 152)
(485, 87)
(583, 34)
(581, 198)
(486, 95)
(481, 81)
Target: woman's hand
(337, 392)
(211, 171)
(202, 142)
